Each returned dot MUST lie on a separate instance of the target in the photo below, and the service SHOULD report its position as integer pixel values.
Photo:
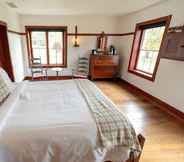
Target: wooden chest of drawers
(104, 66)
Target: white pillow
(6, 79)
(4, 90)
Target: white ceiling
(71, 7)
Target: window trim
(28, 30)
(137, 44)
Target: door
(5, 58)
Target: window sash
(149, 51)
(55, 47)
(39, 48)
(151, 66)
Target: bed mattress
(49, 121)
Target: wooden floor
(164, 134)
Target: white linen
(50, 122)
(6, 79)
(8, 105)
(4, 90)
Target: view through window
(55, 40)
(149, 49)
(39, 48)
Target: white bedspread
(50, 122)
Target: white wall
(10, 17)
(91, 24)
(12, 20)
(168, 85)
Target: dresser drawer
(104, 62)
(105, 72)
(104, 66)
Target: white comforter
(50, 122)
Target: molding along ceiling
(78, 7)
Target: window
(150, 45)
(48, 44)
(148, 38)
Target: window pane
(150, 45)
(55, 47)
(147, 61)
(39, 46)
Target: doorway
(5, 58)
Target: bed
(55, 121)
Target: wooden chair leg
(141, 140)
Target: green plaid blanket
(114, 129)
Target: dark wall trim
(157, 102)
(15, 32)
(98, 34)
(82, 34)
(49, 78)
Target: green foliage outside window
(152, 38)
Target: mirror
(102, 43)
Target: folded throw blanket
(114, 129)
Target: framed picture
(173, 45)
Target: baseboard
(49, 78)
(157, 102)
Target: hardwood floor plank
(164, 133)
